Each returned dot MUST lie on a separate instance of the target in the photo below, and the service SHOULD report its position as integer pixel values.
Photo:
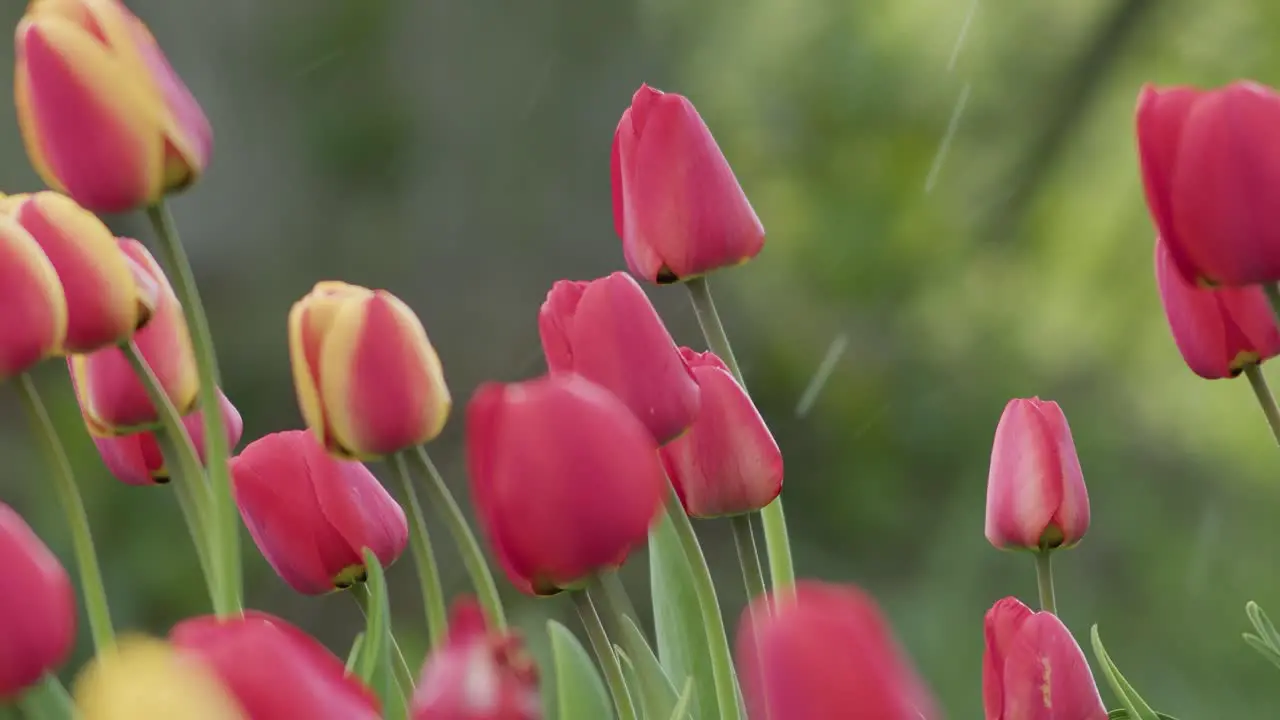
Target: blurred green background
(954, 217)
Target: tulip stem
(1044, 580)
(424, 557)
(226, 525)
(1258, 382)
(744, 539)
(64, 482)
(468, 546)
(178, 450)
(777, 542)
(404, 676)
(712, 618)
(609, 661)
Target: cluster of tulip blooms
(622, 442)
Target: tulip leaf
(631, 679)
(1264, 649)
(48, 700)
(1122, 714)
(580, 691)
(354, 654)
(656, 689)
(1266, 630)
(374, 666)
(686, 701)
(1137, 708)
(677, 619)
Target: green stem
(404, 676)
(180, 458)
(609, 661)
(226, 525)
(1272, 291)
(64, 482)
(777, 542)
(468, 546)
(712, 619)
(1268, 401)
(1044, 580)
(744, 539)
(424, 557)
(47, 700)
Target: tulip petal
(1072, 514)
(37, 609)
(1160, 117)
(1001, 626)
(97, 132)
(483, 420)
(1023, 488)
(358, 507)
(623, 134)
(1046, 676)
(309, 321)
(35, 310)
(555, 323)
(1225, 184)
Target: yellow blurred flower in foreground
(147, 679)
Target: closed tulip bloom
(274, 670)
(566, 481)
(37, 608)
(136, 459)
(104, 117)
(676, 203)
(1211, 169)
(368, 381)
(1036, 496)
(607, 331)
(727, 463)
(31, 302)
(1033, 669)
(312, 514)
(112, 398)
(108, 294)
(1219, 331)
(827, 652)
(477, 674)
(147, 679)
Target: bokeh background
(955, 218)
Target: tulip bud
(368, 381)
(312, 514)
(1212, 174)
(1033, 669)
(112, 398)
(31, 302)
(136, 459)
(826, 652)
(37, 608)
(727, 463)
(1219, 331)
(478, 674)
(676, 203)
(607, 331)
(109, 295)
(1036, 496)
(565, 479)
(146, 679)
(274, 670)
(104, 117)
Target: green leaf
(1122, 714)
(677, 619)
(1137, 708)
(686, 700)
(354, 654)
(579, 688)
(632, 680)
(48, 701)
(374, 665)
(1266, 631)
(657, 692)
(1263, 648)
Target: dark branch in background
(1075, 92)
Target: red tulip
(826, 653)
(1211, 168)
(274, 669)
(1035, 490)
(37, 608)
(112, 399)
(478, 674)
(1220, 330)
(727, 463)
(607, 331)
(676, 203)
(1033, 669)
(566, 481)
(104, 116)
(136, 460)
(31, 301)
(368, 381)
(109, 295)
(312, 514)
